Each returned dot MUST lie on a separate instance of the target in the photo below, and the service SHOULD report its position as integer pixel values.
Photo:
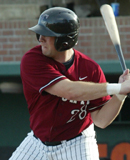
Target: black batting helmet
(61, 23)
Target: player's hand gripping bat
(111, 25)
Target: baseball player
(66, 93)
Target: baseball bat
(111, 25)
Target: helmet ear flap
(66, 42)
(61, 44)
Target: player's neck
(64, 56)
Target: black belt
(57, 142)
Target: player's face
(47, 44)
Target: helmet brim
(42, 30)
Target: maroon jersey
(54, 118)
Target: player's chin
(44, 50)
(46, 53)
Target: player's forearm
(106, 115)
(76, 90)
(86, 90)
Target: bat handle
(120, 56)
(122, 60)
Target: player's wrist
(113, 88)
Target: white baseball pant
(83, 147)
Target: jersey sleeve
(38, 74)
(99, 76)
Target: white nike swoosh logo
(82, 78)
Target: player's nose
(41, 38)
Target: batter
(66, 92)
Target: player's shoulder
(33, 55)
(33, 51)
(83, 58)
